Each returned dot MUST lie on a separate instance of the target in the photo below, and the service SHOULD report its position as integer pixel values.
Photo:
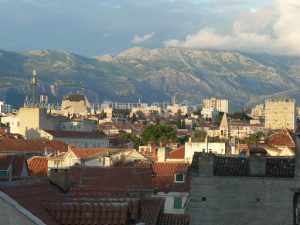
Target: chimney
(161, 153)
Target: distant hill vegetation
(152, 75)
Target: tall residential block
(280, 113)
(221, 105)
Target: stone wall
(241, 201)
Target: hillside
(152, 75)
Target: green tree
(130, 137)
(133, 118)
(159, 133)
(197, 112)
(200, 135)
(253, 138)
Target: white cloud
(271, 29)
(140, 39)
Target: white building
(280, 113)
(192, 147)
(5, 108)
(221, 105)
(209, 113)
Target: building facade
(280, 113)
(221, 105)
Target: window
(179, 177)
(177, 203)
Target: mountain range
(152, 75)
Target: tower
(34, 85)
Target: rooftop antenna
(34, 85)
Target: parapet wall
(241, 201)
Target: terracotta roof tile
(32, 195)
(90, 152)
(178, 153)
(112, 177)
(66, 213)
(38, 166)
(173, 219)
(17, 161)
(164, 178)
(32, 145)
(150, 210)
(283, 137)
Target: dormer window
(179, 178)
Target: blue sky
(95, 27)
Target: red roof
(6, 135)
(17, 161)
(283, 137)
(32, 195)
(89, 152)
(88, 213)
(32, 145)
(165, 172)
(38, 166)
(96, 192)
(112, 177)
(150, 210)
(178, 153)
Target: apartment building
(280, 113)
(221, 105)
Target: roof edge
(21, 209)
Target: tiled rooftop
(178, 153)
(165, 176)
(32, 195)
(112, 177)
(239, 166)
(32, 145)
(93, 152)
(66, 213)
(280, 167)
(230, 166)
(17, 161)
(150, 210)
(173, 219)
(283, 137)
(38, 166)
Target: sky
(96, 27)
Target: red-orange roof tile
(178, 153)
(112, 177)
(66, 213)
(150, 210)
(32, 195)
(32, 145)
(17, 161)
(89, 152)
(38, 166)
(164, 178)
(283, 137)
